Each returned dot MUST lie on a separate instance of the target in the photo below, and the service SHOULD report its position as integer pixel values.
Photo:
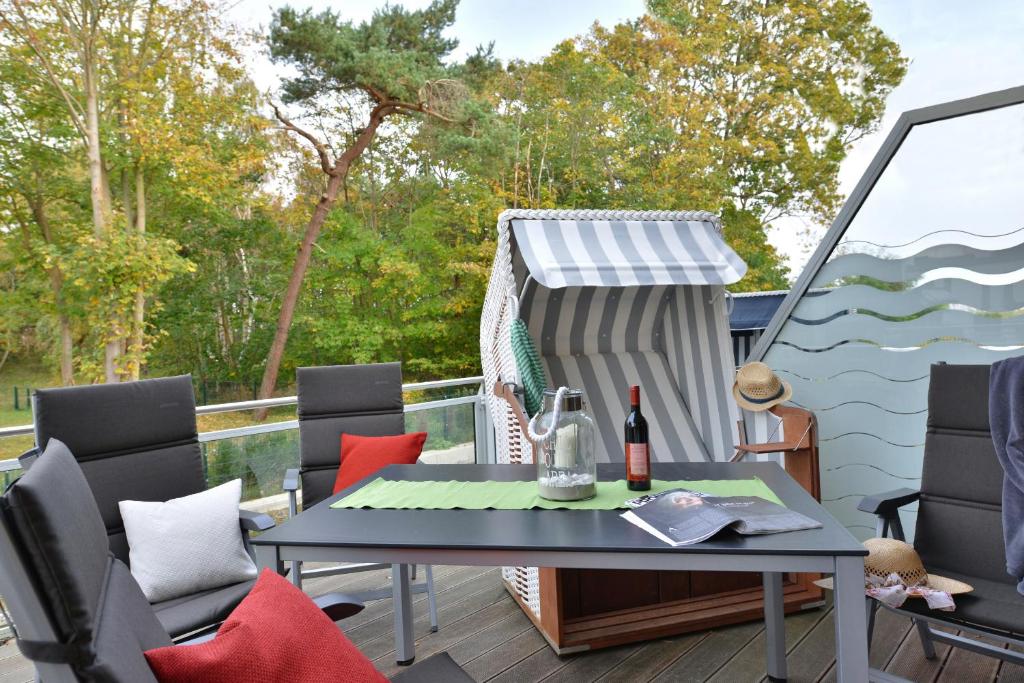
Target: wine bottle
(638, 457)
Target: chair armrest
(886, 504)
(254, 521)
(28, 457)
(338, 605)
(291, 479)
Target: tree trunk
(291, 295)
(67, 368)
(56, 276)
(138, 334)
(99, 195)
(316, 223)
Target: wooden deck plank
(708, 656)
(815, 654)
(533, 669)
(589, 666)
(1011, 673)
(382, 622)
(483, 629)
(452, 635)
(652, 658)
(964, 666)
(890, 630)
(749, 663)
(909, 661)
(453, 611)
(509, 653)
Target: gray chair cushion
(134, 441)
(440, 667)
(92, 599)
(336, 399)
(959, 525)
(192, 612)
(993, 605)
(62, 535)
(127, 628)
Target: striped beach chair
(613, 298)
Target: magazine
(680, 517)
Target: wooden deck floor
(483, 630)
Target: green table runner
(522, 495)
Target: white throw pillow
(187, 544)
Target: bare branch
(321, 149)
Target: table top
(555, 530)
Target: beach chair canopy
(613, 298)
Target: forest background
(152, 203)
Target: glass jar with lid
(566, 465)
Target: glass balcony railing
(450, 411)
(929, 268)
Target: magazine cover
(681, 517)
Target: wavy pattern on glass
(852, 371)
(859, 403)
(845, 244)
(981, 330)
(909, 269)
(912, 302)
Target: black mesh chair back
(959, 520)
(133, 441)
(336, 399)
(79, 612)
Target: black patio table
(583, 539)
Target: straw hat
(888, 556)
(757, 388)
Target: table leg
(267, 556)
(774, 626)
(405, 647)
(851, 620)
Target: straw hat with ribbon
(757, 388)
(893, 572)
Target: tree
(744, 108)
(156, 97)
(390, 65)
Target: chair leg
(872, 608)
(297, 574)
(431, 598)
(925, 632)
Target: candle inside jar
(565, 447)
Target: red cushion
(275, 634)
(361, 456)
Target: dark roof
(753, 310)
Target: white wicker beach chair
(613, 298)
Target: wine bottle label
(636, 461)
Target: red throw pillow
(275, 634)
(361, 456)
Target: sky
(957, 48)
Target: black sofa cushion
(133, 441)
(959, 525)
(192, 612)
(355, 399)
(992, 605)
(93, 601)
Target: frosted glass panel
(931, 269)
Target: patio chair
(959, 519)
(79, 614)
(138, 441)
(336, 399)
